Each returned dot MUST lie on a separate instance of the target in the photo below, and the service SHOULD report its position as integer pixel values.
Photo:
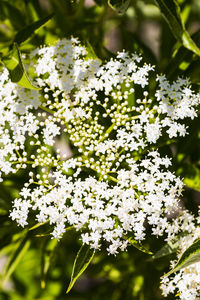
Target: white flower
(153, 132)
(50, 131)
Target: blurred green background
(32, 265)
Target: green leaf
(16, 69)
(37, 225)
(185, 14)
(171, 12)
(82, 260)
(139, 246)
(189, 257)
(90, 51)
(17, 255)
(29, 30)
(191, 174)
(120, 6)
(167, 249)
(46, 258)
(193, 184)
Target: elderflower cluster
(16, 122)
(116, 182)
(186, 282)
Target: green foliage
(29, 30)
(21, 248)
(82, 260)
(171, 13)
(139, 246)
(189, 257)
(192, 176)
(18, 74)
(167, 249)
(12, 60)
(48, 251)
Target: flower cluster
(116, 182)
(141, 191)
(112, 185)
(16, 122)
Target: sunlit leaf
(90, 51)
(46, 258)
(171, 12)
(82, 260)
(13, 63)
(29, 30)
(191, 174)
(17, 255)
(37, 225)
(189, 257)
(139, 246)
